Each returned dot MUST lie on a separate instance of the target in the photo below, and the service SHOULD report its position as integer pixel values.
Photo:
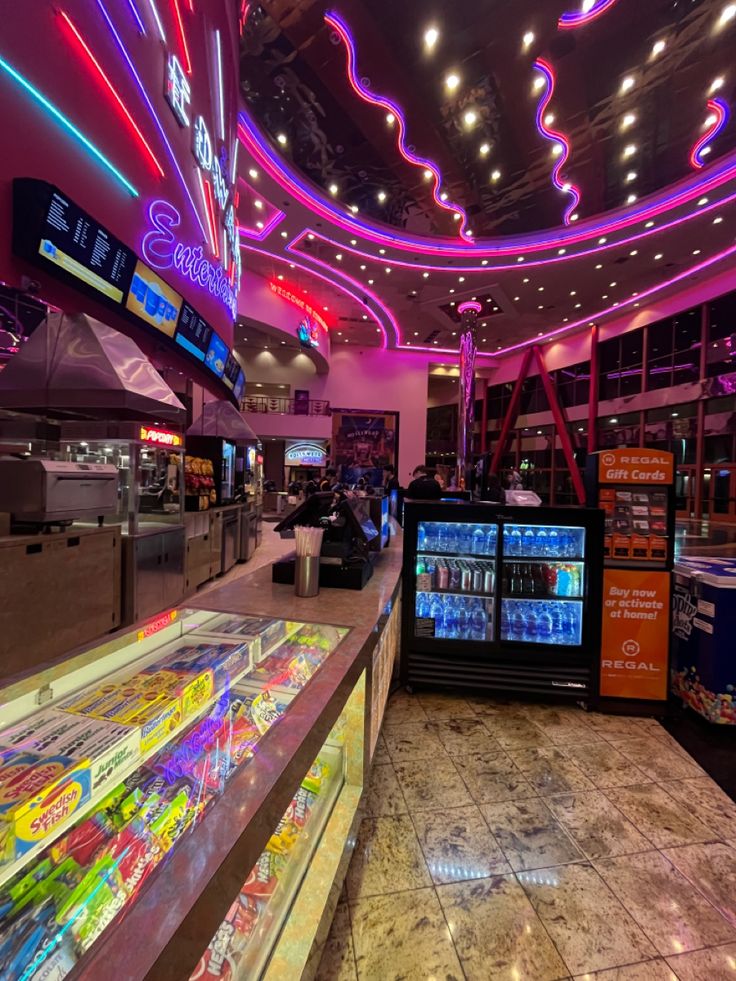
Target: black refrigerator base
(330, 576)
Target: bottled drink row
(542, 579)
(543, 541)
(457, 575)
(462, 539)
(541, 623)
(455, 617)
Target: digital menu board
(217, 355)
(193, 332)
(52, 232)
(83, 250)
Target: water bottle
(479, 541)
(505, 622)
(478, 621)
(491, 538)
(515, 541)
(558, 624)
(463, 619)
(437, 614)
(530, 542)
(544, 626)
(430, 536)
(517, 622)
(532, 624)
(422, 605)
(451, 618)
(452, 542)
(442, 538)
(421, 537)
(542, 542)
(554, 543)
(463, 538)
(571, 624)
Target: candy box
(156, 722)
(38, 731)
(41, 796)
(193, 690)
(264, 876)
(226, 948)
(226, 661)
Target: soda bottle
(452, 543)
(554, 542)
(532, 624)
(544, 626)
(421, 537)
(563, 580)
(478, 621)
(479, 541)
(491, 538)
(442, 531)
(443, 576)
(530, 542)
(575, 582)
(542, 542)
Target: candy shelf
(134, 824)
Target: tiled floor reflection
(511, 842)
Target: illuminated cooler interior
(86, 861)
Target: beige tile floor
(512, 842)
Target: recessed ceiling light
(540, 289)
(470, 118)
(388, 269)
(565, 319)
(627, 84)
(281, 138)
(353, 241)
(549, 119)
(370, 282)
(613, 284)
(253, 174)
(259, 224)
(716, 84)
(365, 316)
(362, 268)
(338, 256)
(280, 276)
(649, 224)
(452, 81)
(557, 150)
(634, 252)
(443, 196)
(452, 291)
(354, 208)
(717, 220)
(485, 149)
(604, 296)
(631, 199)
(573, 292)
(540, 307)
(333, 189)
(428, 175)
(539, 82)
(599, 266)
(528, 39)
(602, 240)
(390, 118)
(520, 258)
(495, 176)
(658, 47)
(696, 251)
(456, 217)
(658, 256)
(431, 37)
(574, 216)
(516, 299)
(325, 309)
(310, 236)
(629, 150)
(631, 176)
(284, 235)
(258, 203)
(578, 305)
(484, 262)
(727, 14)
(628, 120)
(525, 280)
(461, 279)
(425, 275)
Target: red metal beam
(512, 412)
(593, 397)
(561, 425)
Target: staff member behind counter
(423, 487)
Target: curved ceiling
(517, 104)
(396, 273)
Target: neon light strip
(209, 202)
(244, 11)
(96, 65)
(182, 37)
(220, 88)
(312, 199)
(556, 138)
(159, 25)
(159, 127)
(579, 18)
(721, 112)
(470, 305)
(339, 25)
(297, 301)
(259, 234)
(68, 125)
(136, 14)
(234, 158)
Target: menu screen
(217, 355)
(239, 385)
(77, 245)
(232, 369)
(153, 300)
(193, 332)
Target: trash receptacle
(703, 631)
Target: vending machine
(634, 487)
(501, 598)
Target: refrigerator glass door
(543, 584)
(455, 580)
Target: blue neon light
(157, 122)
(137, 16)
(68, 125)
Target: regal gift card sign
(635, 641)
(635, 466)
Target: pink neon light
(354, 289)
(273, 216)
(470, 305)
(209, 201)
(579, 18)
(182, 36)
(297, 301)
(720, 110)
(339, 25)
(113, 92)
(513, 246)
(557, 138)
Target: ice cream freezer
(703, 672)
(502, 598)
(183, 803)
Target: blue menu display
(217, 355)
(193, 332)
(239, 386)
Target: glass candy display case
(501, 597)
(158, 749)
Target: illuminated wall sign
(161, 437)
(286, 294)
(307, 333)
(159, 623)
(163, 250)
(178, 90)
(305, 453)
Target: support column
(466, 410)
(484, 419)
(593, 396)
(700, 421)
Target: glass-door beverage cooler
(502, 598)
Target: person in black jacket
(423, 487)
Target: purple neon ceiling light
(558, 140)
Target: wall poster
(363, 443)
